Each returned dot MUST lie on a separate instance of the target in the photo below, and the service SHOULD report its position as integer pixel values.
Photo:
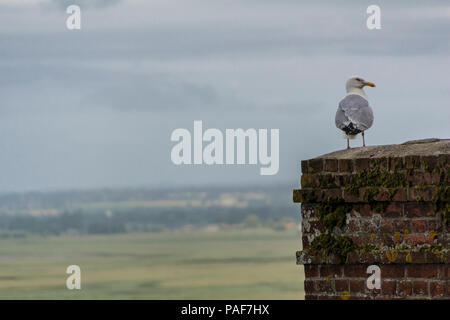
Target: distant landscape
(148, 210)
(151, 244)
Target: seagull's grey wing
(356, 110)
(341, 120)
(365, 117)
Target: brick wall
(388, 211)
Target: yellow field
(231, 264)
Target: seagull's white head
(357, 83)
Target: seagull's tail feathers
(349, 136)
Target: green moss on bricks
(370, 194)
(431, 248)
(441, 201)
(333, 213)
(362, 178)
(327, 181)
(379, 206)
(368, 248)
(442, 176)
(398, 166)
(309, 197)
(375, 178)
(393, 191)
(328, 244)
(446, 215)
(426, 167)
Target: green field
(227, 264)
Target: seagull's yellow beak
(370, 84)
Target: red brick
(427, 178)
(305, 242)
(355, 271)
(384, 194)
(307, 195)
(421, 194)
(420, 288)
(328, 297)
(361, 164)
(422, 271)
(417, 239)
(315, 165)
(388, 287)
(400, 195)
(357, 286)
(369, 225)
(360, 298)
(395, 163)
(296, 196)
(311, 226)
(306, 209)
(309, 181)
(434, 224)
(419, 226)
(444, 160)
(311, 270)
(402, 225)
(341, 285)
(353, 258)
(304, 165)
(364, 210)
(387, 226)
(433, 258)
(412, 162)
(417, 178)
(437, 288)
(429, 163)
(360, 239)
(418, 257)
(324, 286)
(393, 210)
(420, 209)
(393, 271)
(331, 193)
(436, 178)
(444, 272)
(330, 165)
(404, 288)
(331, 270)
(353, 225)
(381, 163)
(351, 197)
(345, 165)
(309, 286)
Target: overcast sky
(96, 107)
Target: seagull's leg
(364, 142)
(348, 143)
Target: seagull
(354, 115)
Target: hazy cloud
(95, 107)
(85, 4)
